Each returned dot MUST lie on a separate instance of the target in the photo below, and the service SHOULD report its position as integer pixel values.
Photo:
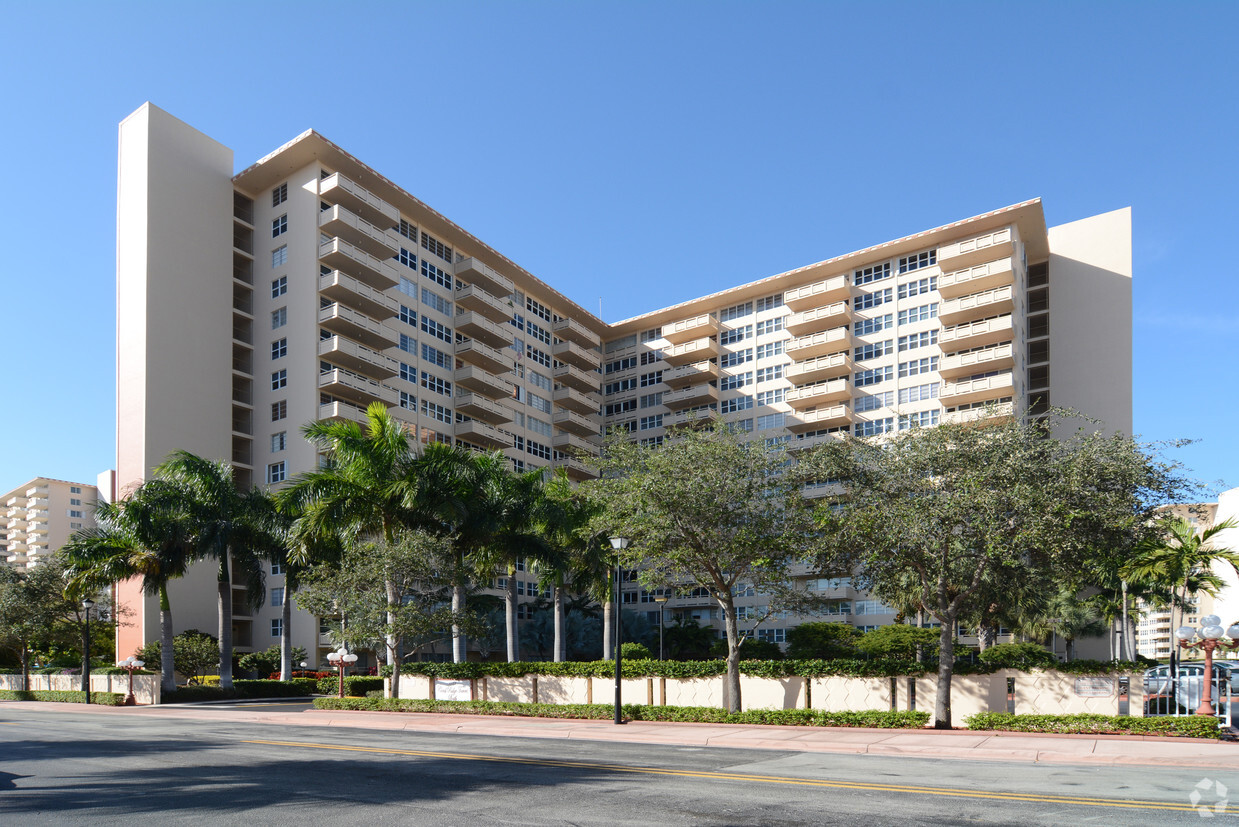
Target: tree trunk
(225, 623)
(167, 668)
(946, 665)
(393, 657)
(458, 638)
(559, 623)
(286, 638)
(509, 611)
(608, 607)
(25, 668)
(1129, 638)
(731, 681)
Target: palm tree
(566, 526)
(140, 536)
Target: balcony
(37, 491)
(336, 189)
(699, 394)
(342, 412)
(349, 354)
(822, 489)
(819, 293)
(479, 433)
(975, 334)
(338, 254)
(574, 354)
(476, 326)
(684, 375)
(574, 331)
(484, 356)
(976, 250)
(343, 288)
(577, 378)
(819, 318)
(819, 418)
(575, 400)
(574, 423)
(976, 306)
(479, 407)
(472, 297)
(988, 276)
(345, 321)
(17, 522)
(690, 418)
(571, 443)
(575, 468)
(819, 344)
(355, 387)
(977, 390)
(693, 351)
(995, 413)
(815, 370)
(359, 232)
(688, 329)
(35, 528)
(472, 271)
(483, 382)
(998, 357)
(811, 396)
(810, 442)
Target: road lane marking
(1121, 803)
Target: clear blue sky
(621, 150)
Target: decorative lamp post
(343, 659)
(87, 604)
(661, 600)
(1208, 638)
(619, 544)
(130, 665)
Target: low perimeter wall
(145, 687)
(1044, 693)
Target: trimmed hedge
(100, 698)
(357, 685)
(1187, 726)
(637, 712)
(243, 689)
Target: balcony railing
(572, 353)
(819, 368)
(576, 424)
(819, 293)
(482, 381)
(694, 351)
(998, 357)
(688, 329)
(339, 221)
(819, 318)
(987, 247)
(974, 334)
(473, 297)
(573, 330)
(982, 277)
(339, 254)
(577, 378)
(576, 400)
(819, 344)
(337, 189)
(479, 407)
(808, 396)
(343, 288)
(475, 272)
(345, 321)
(351, 355)
(976, 306)
(476, 326)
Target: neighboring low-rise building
(39, 517)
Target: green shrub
(100, 698)
(1018, 656)
(634, 651)
(249, 689)
(357, 685)
(1188, 726)
(197, 694)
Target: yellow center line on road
(1122, 803)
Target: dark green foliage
(100, 698)
(822, 641)
(268, 662)
(194, 654)
(753, 649)
(898, 641)
(1187, 726)
(357, 685)
(241, 689)
(670, 669)
(635, 651)
(1018, 656)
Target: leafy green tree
(267, 662)
(713, 509)
(826, 641)
(755, 649)
(953, 507)
(32, 603)
(1018, 656)
(575, 554)
(686, 639)
(897, 641)
(194, 653)
(635, 651)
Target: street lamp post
(87, 604)
(1208, 637)
(130, 665)
(661, 600)
(342, 659)
(619, 544)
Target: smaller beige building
(37, 518)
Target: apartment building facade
(40, 516)
(316, 286)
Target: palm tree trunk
(286, 638)
(510, 617)
(225, 623)
(458, 637)
(167, 670)
(393, 657)
(559, 623)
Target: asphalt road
(61, 767)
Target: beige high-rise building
(40, 516)
(308, 285)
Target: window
(875, 273)
(767, 350)
(436, 357)
(279, 256)
(739, 334)
(918, 393)
(923, 419)
(539, 381)
(872, 351)
(279, 379)
(538, 309)
(279, 441)
(439, 331)
(73, 513)
(774, 420)
(620, 407)
(75, 489)
(875, 325)
(540, 403)
(537, 449)
(279, 318)
(620, 364)
(651, 399)
(434, 411)
(279, 410)
(408, 373)
(437, 247)
(770, 397)
(918, 366)
(436, 275)
(407, 259)
(872, 376)
(769, 326)
(277, 626)
(874, 401)
(772, 635)
(915, 262)
(918, 287)
(275, 472)
(620, 386)
(408, 401)
(650, 441)
(75, 501)
(769, 302)
(767, 374)
(279, 226)
(650, 335)
(646, 423)
(407, 343)
(873, 428)
(408, 316)
(740, 403)
(738, 381)
(433, 383)
(279, 348)
(541, 357)
(538, 332)
(279, 287)
(918, 340)
(654, 378)
(866, 300)
(651, 356)
(277, 596)
(279, 195)
(539, 426)
(407, 230)
(735, 312)
(436, 301)
(730, 360)
(918, 314)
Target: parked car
(1162, 696)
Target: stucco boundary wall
(1042, 693)
(146, 688)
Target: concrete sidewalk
(1116, 750)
